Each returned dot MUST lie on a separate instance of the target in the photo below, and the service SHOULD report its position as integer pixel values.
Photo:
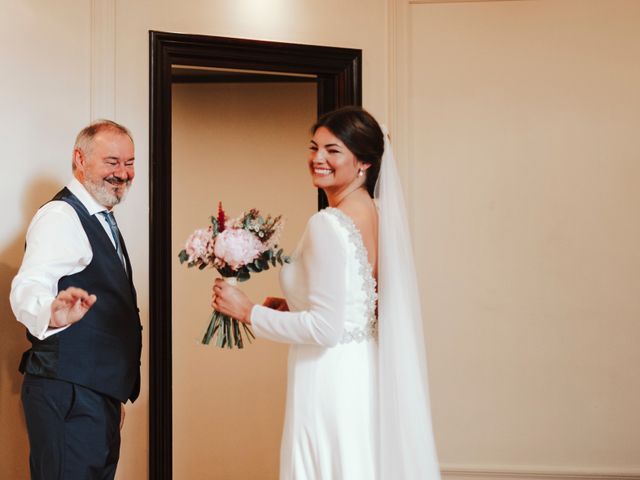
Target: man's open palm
(70, 306)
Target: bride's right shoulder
(321, 220)
(324, 229)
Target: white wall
(44, 93)
(524, 177)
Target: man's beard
(102, 190)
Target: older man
(74, 293)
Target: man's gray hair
(84, 140)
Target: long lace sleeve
(323, 256)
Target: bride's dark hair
(361, 134)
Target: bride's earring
(360, 172)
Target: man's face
(106, 170)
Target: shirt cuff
(44, 318)
(42, 322)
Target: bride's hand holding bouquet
(230, 300)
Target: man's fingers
(63, 302)
(84, 303)
(64, 297)
(77, 292)
(89, 301)
(72, 294)
(70, 305)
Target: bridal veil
(406, 450)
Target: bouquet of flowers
(236, 247)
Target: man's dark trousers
(74, 432)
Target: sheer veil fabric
(407, 449)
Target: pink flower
(197, 245)
(237, 247)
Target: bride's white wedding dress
(331, 423)
(357, 400)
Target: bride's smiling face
(331, 163)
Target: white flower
(197, 245)
(237, 247)
(275, 236)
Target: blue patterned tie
(115, 233)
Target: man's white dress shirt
(57, 246)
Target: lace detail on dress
(370, 330)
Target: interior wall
(245, 145)
(524, 179)
(44, 93)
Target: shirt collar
(85, 197)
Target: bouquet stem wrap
(226, 329)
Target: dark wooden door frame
(339, 83)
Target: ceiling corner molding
(103, 59)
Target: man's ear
(78, 158)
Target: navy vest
(102, 350)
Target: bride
(357, 398)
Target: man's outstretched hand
(70, 306)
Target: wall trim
(467, 472)
(398, 97)
(419, 2)
(103, 59)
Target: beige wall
(44, 93)
(245, 145)
(525, 173)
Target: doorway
(185, 66)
